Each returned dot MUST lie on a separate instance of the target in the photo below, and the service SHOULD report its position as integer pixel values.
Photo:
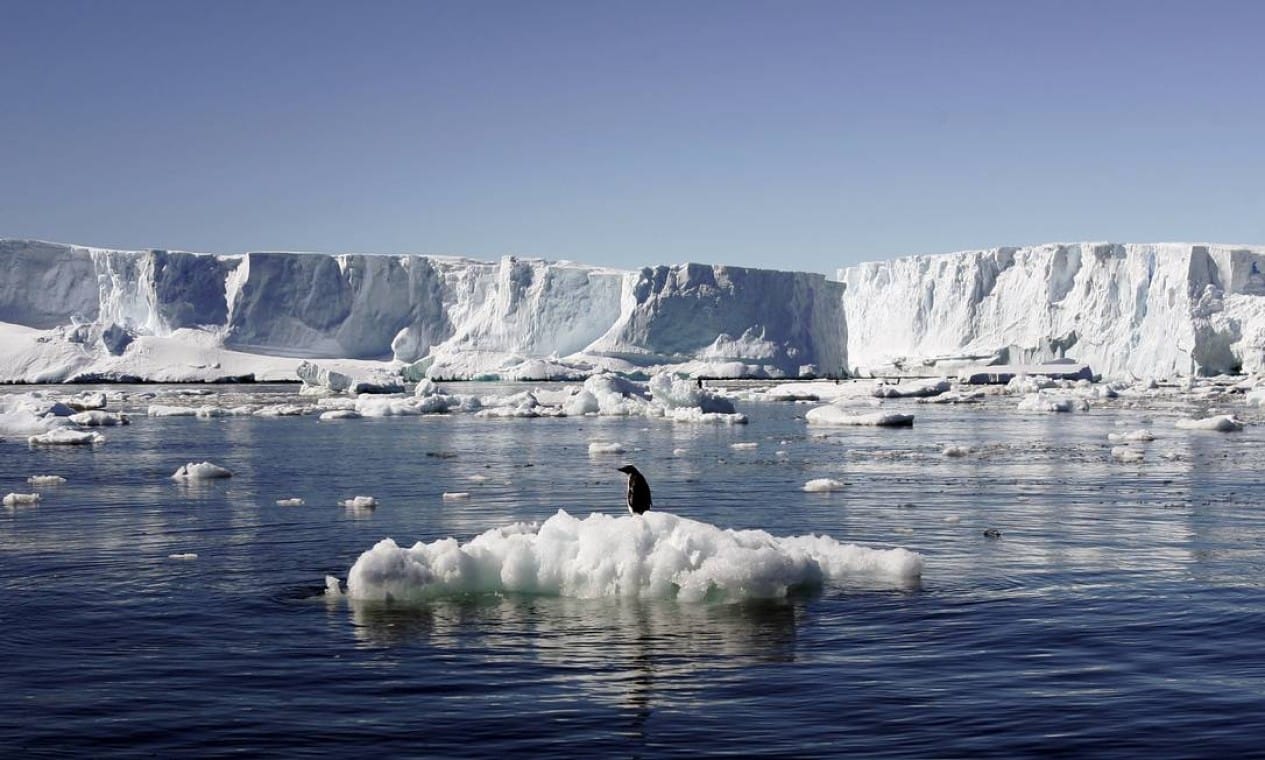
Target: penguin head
(628, 469)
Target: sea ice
(833, 415)
(824, 485)
(1221, 423)
(98, 418)
(1127, 454)
(201, 471)
(360, 502)
(606, 447)
(184, 556)
(455, 495)
(21, 499)
(66, 437)
(1142, 435)
(744, 446)
(655, 555)
(46, 480)
(295, 502)
(956, 450)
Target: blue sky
(797, 135)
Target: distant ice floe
(1127, 454)
(183, 556)
(1037, 402)
(455, 495)
(1221, 423)
(201, 471)
(912, 389)
(98, 418)
(744, 446)
(66, 437)
(956, 450)
(21, 499)
(360, 503)
(824, 485)
(296, 502)
(655, 555)
(606, 447)
(46, 480)
(1141, 435)
(834, 415)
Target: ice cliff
(77, 313)
(1142, 310)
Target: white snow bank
(201, 471)
(656, 555)
(834, 415)
(21, 499)
(824, 485)
(1221, 423)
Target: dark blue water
(1119, 613)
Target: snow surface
(655, 555)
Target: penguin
(639, 499)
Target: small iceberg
(21, 499)
(834, 415)
(824, 485)
(1221, 423)
(201, 471)
(66, 437)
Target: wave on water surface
(655, 555)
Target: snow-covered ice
(360, 502)
(824, 485)
(201, 471)
(655, 555)
(606, 447)
(46, 480)
(21, 499)
(295, 502)
(1221, 423)
(834, 415)
(65, 437)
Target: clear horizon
(807, 136)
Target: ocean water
(1116, 611)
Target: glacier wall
(455, 317)
(1128, 310)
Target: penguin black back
(639, 499)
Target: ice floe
(66, 437)
(824, 485)
(834, 415)
(201, 471)
(1221, 423)
(21, 499)
(46, 480)
(655, 555)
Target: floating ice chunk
(46, 480)
(332, 588)
(184, 556)
(455, 495)
(316, 376)
(478, 478)
(672, 392)
(98, 418)
(968, 397)
(201, 471)
(1141, 435)
(833, 415)
(952, 519)
(66, 437)
(655, 555)
(1038, 403)
(378, 381)
(690, 414)
(339, 414)
(425, 387)
(283, 410)
(580, 404)
(295, 502)
(165, 410)
(86, 401)
(1221, 423)
(212, 412)
(824, 485)
(360, 502)
(1127, 454)
(606, 447)
(912, 389)
(744, 446)
(679, 452)
(21, 499)
(956, 450)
